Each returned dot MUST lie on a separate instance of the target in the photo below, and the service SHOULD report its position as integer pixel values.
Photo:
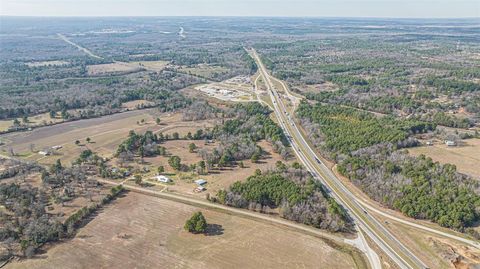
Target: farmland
(106, 133)
(144, 231)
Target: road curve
(372, 227)
(367, 205)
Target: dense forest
(93, 96)
(292, 191)
(403, 76)
(237, 136)
(417, 186)
(358, 129)
(369, 153)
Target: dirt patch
(436, 252)
(151, 65)
(136, 104)
(317, 88)
(141, 231)
(112, 68)
(125, 67)
(203, 70)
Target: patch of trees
(64, 178)
(238, 136)
(441, 118)
(142, 145)
(386, 104)
(292, 191)
(196, 224)
(89, 157)
(345, 80)
(28, 226)
(452, 86)
(175, 162)
(13, 167)
(249, 63)
(252, 119)
(417, 186)
(199, 110)
(343, 130)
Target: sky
(273, 8)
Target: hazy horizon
(407, 9)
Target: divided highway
(367, 224)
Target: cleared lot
(113, 68)
(139, 231)
(183, 182)
(125, 67)
(465, 157)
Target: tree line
(291, 192)
(416, 186)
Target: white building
(163, 179)
(44, 153)
(450, 143)
(200, 182)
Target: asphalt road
(374, 229)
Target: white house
(163, 179)
(44, 153)
(450, 143)
(200, 182)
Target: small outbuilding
(199, 189)
(44, 153)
